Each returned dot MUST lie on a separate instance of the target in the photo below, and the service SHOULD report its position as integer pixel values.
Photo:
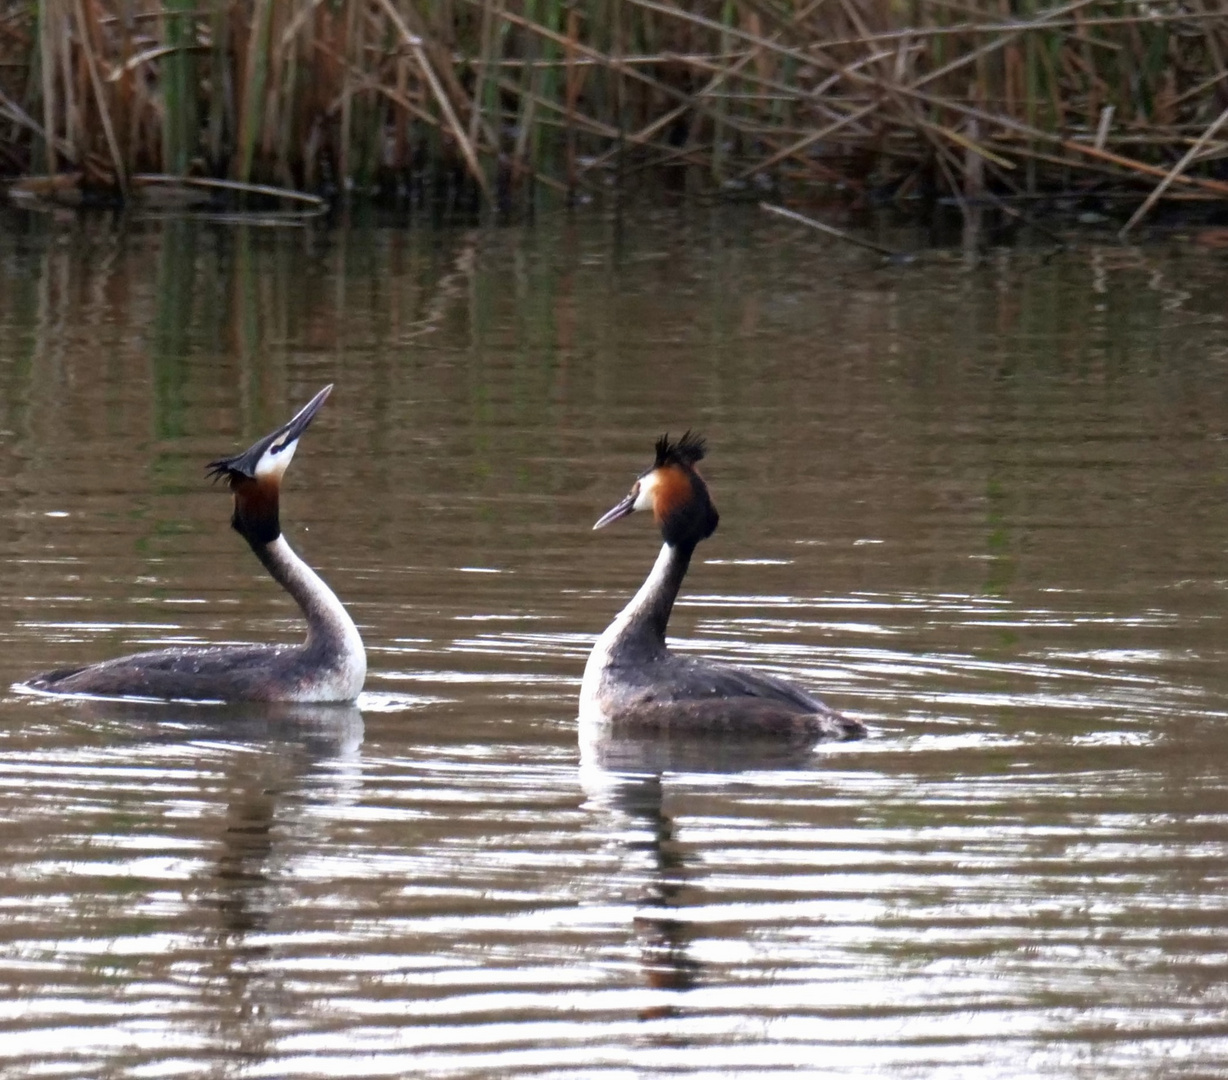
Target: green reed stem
(180, 133)
(255, 76)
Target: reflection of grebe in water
(302, 763)
(661, 929)
(627, 781)
(279, 778)
(633, 682)
(329, 666)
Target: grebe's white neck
(647, 614)
(333, 640)
(637, 634)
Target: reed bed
(495, 101)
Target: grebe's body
(633, 682)
(330, 665)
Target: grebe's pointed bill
(640, 497)
(268, 457)
(624, 508)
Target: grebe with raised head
(633, 682)
(329, 666)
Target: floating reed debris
(495, 101)
(831, 230)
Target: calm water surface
(984, 511)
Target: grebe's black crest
(688, 450)
(225, 467)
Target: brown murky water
(986, 512)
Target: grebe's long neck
(330, 630)
(639, 629)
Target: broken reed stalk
(831, 230)
(1174, 173)
(491, 94)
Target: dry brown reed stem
(371, 95)
(1174, 173)
(414, 43)
(933, 76)
(87, 31)
(317, 205)
(617, 65)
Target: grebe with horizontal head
(329, 666)
(633, 682)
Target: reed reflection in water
(982, 512)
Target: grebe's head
(255, 475)
(675, 493)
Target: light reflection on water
(981, 513)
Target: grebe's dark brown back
(632, 681)
(329, 666)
